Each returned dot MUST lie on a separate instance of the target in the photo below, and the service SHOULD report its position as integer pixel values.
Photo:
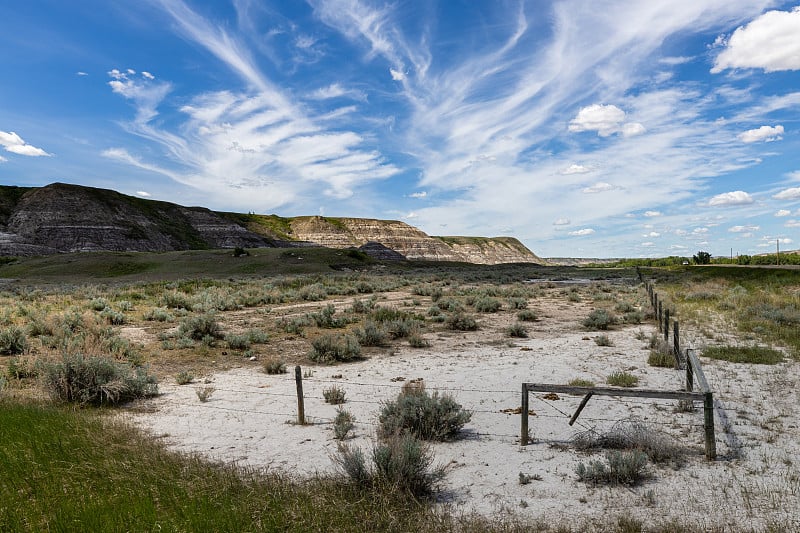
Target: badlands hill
(61, 218)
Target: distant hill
(61, 218)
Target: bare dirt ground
(754, 483)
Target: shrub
(603, 340)
(237, 342)
(256, 336)
(487, 305)
(324, 318)
(580, 382)
(599, 319)
(620, 468)
(517, 330)
(158, 314)
(744, 354)
(334, 395)
(429, 417)
(461, 322)
(635, 435)
(274, 366)
(372, 334)
(13, 341)
(204, 393)
(415, 340)
(329, 348)
(200, 326)
(21, 367)
(184, 377)
(115, 318)
(343, 423)
(661, 357)
(517, 303)
(176, 300)
(98, 304)
(527, 315)
(400, 462)
(622, 379)
(96, 381)
(401, 328)
(633, 317)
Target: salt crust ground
(755, 483)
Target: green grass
(67, 470)
(622, 379)
(759, 355)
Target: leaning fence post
(301, 414)
(689, 372)
(523, 428)
(666, 324)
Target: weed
(622, 379)
(184, 377)
(580, 382)
(274, 366)
(528, 315)
(325, 319)
(517, 330)
(334, 395)
(487, 305)
(416, 340)
(237, 342)
(204, 393)
(199, 327)
(115, 318)
(517, 303)
(13, 341)
(98, 304)
(620, 468)
(22, 367)
(599, 319)
(461, 322)
(603, 340)
(744, 354)
(330, 348)
(633, 434)
(159, 314)
(343, 423)
(96, 381)
(429, 417)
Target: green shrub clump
(622, 379)
(599, 319)
(96, 381)
(488, 305)
(461, 322)
(620, 468)
(329, 348)
(13, 341)
(200, 327)
(429, 417)
(744, 354)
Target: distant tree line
(703, 258)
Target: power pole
(777, 251)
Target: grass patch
(622, 379)
(580, 382)
(759, 355)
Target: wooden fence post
(523, 428)
(301, 412)
(660, 313)
(689, 372)
(666, 324)
(708, 422)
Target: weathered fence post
(676, 341)
(298, 378)
(523, 428)
(708, 422)
(666, 324)
(660, 318)
(689, 372)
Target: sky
(585, 128)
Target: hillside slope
(62, 218)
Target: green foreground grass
(78, 470)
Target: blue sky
(585, 128)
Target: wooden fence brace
(523, 429)
(301, 413)
(666, 324)
(580, 408)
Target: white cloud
(792, 193)
(562, 222)
(581, 232)
(785, 240)
(576, 169)
(632, 128)
(81, 73)
(782, 213)
(647, 244)
(147, 75)
(145, 93)
(597, 188)
(335, 90)
(700, 231)
(412, 214)
(604, 119)
(143, 194)
(3, 159)
(770, 42)
(13, 143)
(792, 223)
(421, 194)
(764, 133)
(652, 234)
(673, 61)
(397, 75)
(742, 229)
(651, 214)
(731, 198)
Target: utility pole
(777, 251)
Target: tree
(702, 258)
